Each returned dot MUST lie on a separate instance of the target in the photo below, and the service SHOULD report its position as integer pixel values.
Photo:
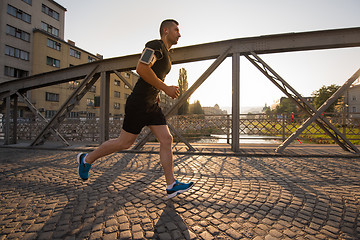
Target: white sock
(85, 159)
(170, 186)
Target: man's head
(170, 31)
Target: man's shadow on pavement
(115, 199)
(170, 225)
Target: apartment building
(18, 19)
(32, 42)
(352, 100)
(51, 53)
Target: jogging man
(142, 109)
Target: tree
(183, 86)
(286, 106)
(196, 108)
(321, 95)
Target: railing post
(344, 124)
(283, 127)
(104, 106)
(7, 121)
(228, 129)
(235, 133)
(15, 117)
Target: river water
(244, 139)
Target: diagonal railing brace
(320, 111)
(304, 105)
(36, 112)
(278, 81)
(124, 80)
(68, 105)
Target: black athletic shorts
(138, 116)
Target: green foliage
(287, 106)
(183, 87)
(309, 135)
(187, 108)
(321, 95)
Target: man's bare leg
(124, 141)
(165, 138)
(173, 187)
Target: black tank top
(144, 93)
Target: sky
(116, 28)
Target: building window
(49, 113)
(28, 1)
(17, 53)
(51, 97)
(13, 11)
(354, 109)
(97, 101)
(126, 86)
(117, 82)
(10, 30)
(50, 29)
(75, 53)
(45, 9)
(73, 115)
(91, 59)
(90, 102)
(53, 62)
(354, 98)
(116, 94)
(53, 44)
(117, 105)
(126, 95)
(90, 115)
(127, 74)
(14, 72)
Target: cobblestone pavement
(233, 198)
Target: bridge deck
(247, 197)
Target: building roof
(355, 86)
(57, 4)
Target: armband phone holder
(147, 56)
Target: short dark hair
(165, 24)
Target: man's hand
(172, 91)
(150, 77)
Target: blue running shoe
(83, 167)
(178, 187)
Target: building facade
(51, 53)
(32, 42)
(352, 101)
(18, 18)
